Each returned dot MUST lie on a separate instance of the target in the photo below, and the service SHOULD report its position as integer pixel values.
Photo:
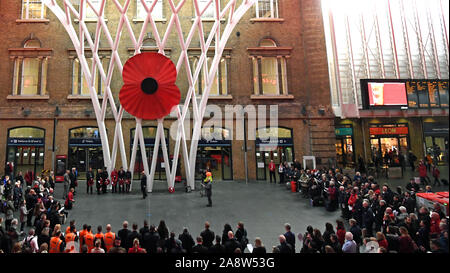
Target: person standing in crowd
(136, 247)
(123, 235)
(436, 173)
(208, 188)
(272, 168)
(109, 238)
(73, 179)
(290, 236)
(66, 183)
(69, 200)
(144, 185)
(281, 171)
(231, 244)
(99, 181)
(127, 181)
(412, 160)
(105, 180)
(349, 245)
(187, 242)
(89, 180)
(284, 247)
(121, 176)
(241, 235)
(114, 180)
(207, 236)
(423, 173)
(199, 247)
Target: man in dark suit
(133, 235)
(207, 236)
(150, 240)
(123, 235)
(217, 248)
(144, 185)
(284, 247)
(290, 236)
(199, 247)
(232, 243)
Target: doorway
(218, 159)
(278, 155)
(84, 158)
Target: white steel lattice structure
(383, 39)
(231, 13)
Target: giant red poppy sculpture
(149, 91)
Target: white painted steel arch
(65, 10)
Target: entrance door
(227, 164)
(160, 171)
(27, 158)
(264, 156)
(84, 158)
(437, 147)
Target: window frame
(26, 10)
(139, 4)
(274, 9)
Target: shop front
(436, 141)
(388, 142)
(26, 148)
(345, 152)
(275, 144)
(85, 150)
(214, 152)
(149, 140)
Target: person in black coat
(98, 180)
(226, 229)
(284, 247)
(123, 235)
(144, 229)
(327, 233)
(241, 235)
(290, 236)
(379, 215)
(187, 241)
(232, 243)
(144, 185)
(105, 182)
(356, 231)
(367, 218)
(151, 239)
(134, 235)
(207, 236)
(199, 247)
(412, 186)
(89, 180)
(217, 248)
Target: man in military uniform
(89, 180)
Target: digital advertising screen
(387, 94)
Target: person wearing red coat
(352, 199)
(434, 224)
(114, 179)
(340, 231)
(423, 173)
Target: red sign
(384, 94)
(388, 130)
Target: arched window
(30, 68)
(33, 9)
(269, 68)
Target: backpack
(27, 243)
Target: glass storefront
(273, 144)
(388, 142)
(345, 154)
(26, 148)
(214, 152)
(85, 150)
(149, 140)
(436, 141)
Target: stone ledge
(274, 97)
(23, 97)
(32, 21)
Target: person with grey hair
(379, 215)
(31, 241)
(403, 213)
(284, 247)
(349, 245)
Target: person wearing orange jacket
(71, 223)
(100, 236)
(114, 179)
(81, 235)
(89, 239)
(71, 237)
(109, 238)
(56, 244)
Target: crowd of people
(374, 214)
